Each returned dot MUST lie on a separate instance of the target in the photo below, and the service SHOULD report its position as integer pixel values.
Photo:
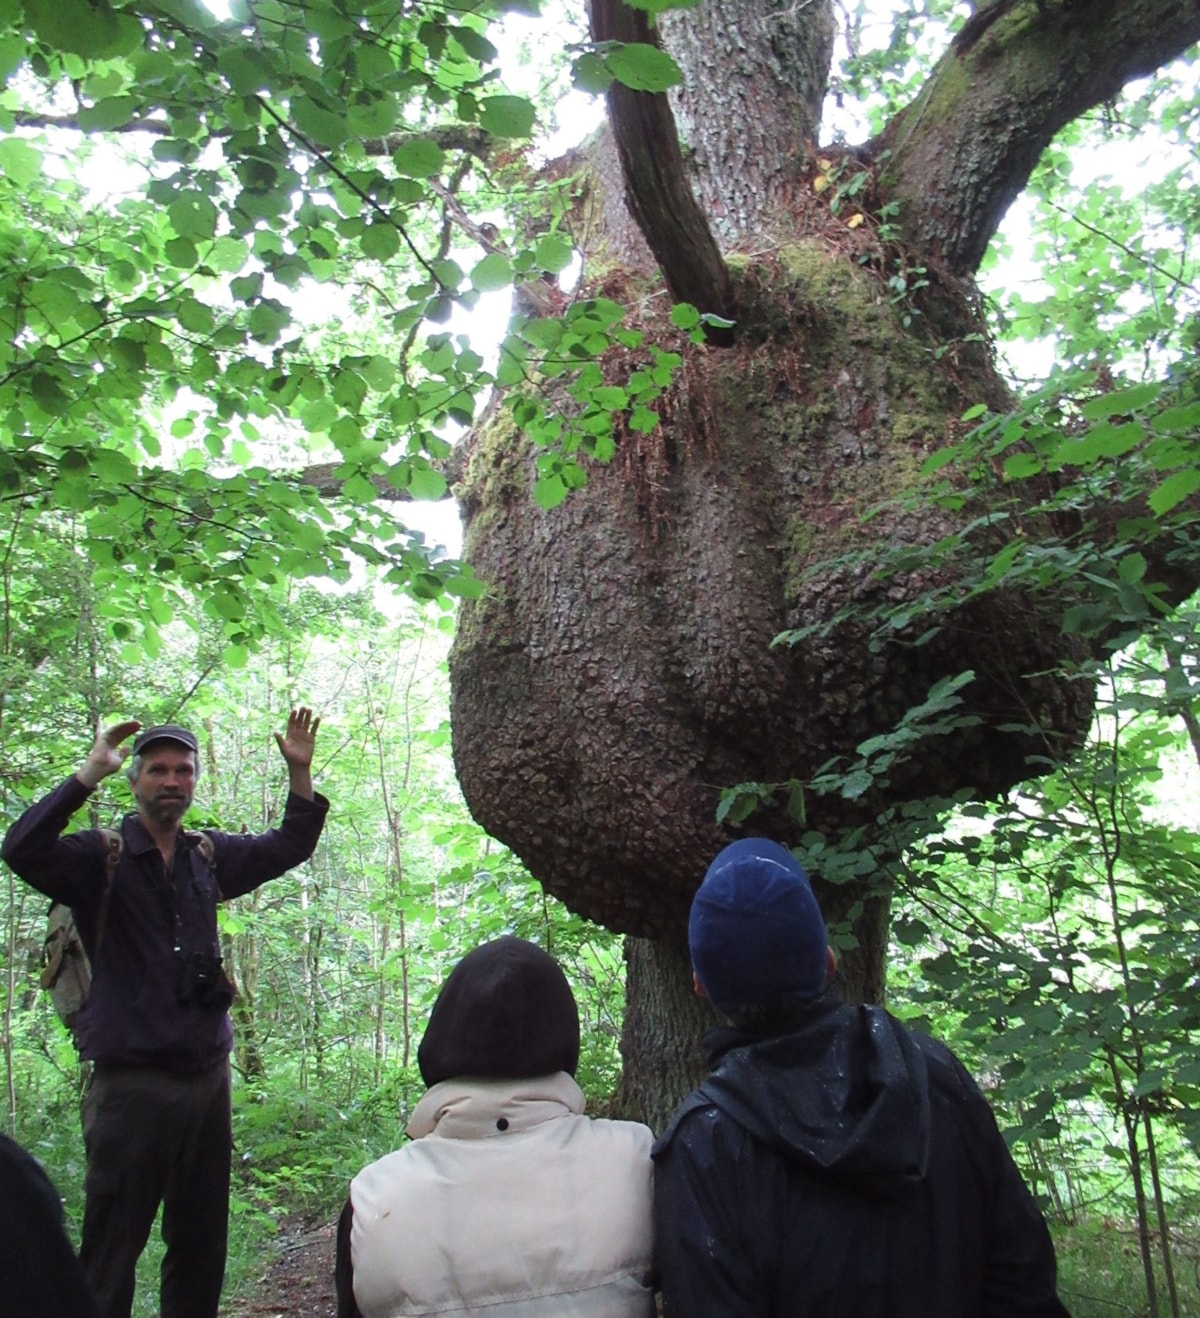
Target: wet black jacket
(40, 1277)
(846, 1168)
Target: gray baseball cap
(165, 732)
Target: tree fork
(656, 187)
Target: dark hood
(505, 1012)
(846, 1092)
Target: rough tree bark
(622, 671)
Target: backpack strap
(206, 847)
(54, 948)
(112, 839)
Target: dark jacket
(845, 1168)
(40, 1276)
(133, 1015)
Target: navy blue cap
(756, 931)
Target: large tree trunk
(623, 672)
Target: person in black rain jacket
(833, 1162)
(40, 1276)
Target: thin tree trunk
(1160, 1211)
(1145, 1246)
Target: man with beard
(156, 1115)
(833, 1162)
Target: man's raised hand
(297, 744)
(107, 755)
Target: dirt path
(297, 1278)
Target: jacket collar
(138, 841)
(475, 1109)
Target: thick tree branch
(1017, 73)
(656, 187)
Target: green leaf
(129, 354)
(507, 116)
(20, 162)
(319, 123)
(379, 373)
(425, 482)
(590, 74)
(194, 315)
(106, 115)
(12, 48)
(370, 114)
(1101, 441)
(228, 254)
(545, 334)
(319, 415)
(449, 273)
(644, 420)
(349, 389)
(380, 242)
(268, 320)
(737, 804)
(1185, 420)
(247, 288)
(359, 489)
(643, 68)
(418, 158)
(83, 27)
(684, 316)
(74, 462)
(1132, 568)
(1018, 466)
(553, 253)
(181, 253)
(661, 6)
(475, 44)
(49, 394)
(549, 492)
(610, 397)
(113, 467)
(193, 216)
(244, 67)
(1121, 401)
(1174, 490)
(464, 587)
(492, 273)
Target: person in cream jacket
(507, 1201)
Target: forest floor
(296, 1280)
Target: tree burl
(622, 670)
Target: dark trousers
(156, 1137)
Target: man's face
(166, 782)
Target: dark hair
(777, 1015)
(785, 1012)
